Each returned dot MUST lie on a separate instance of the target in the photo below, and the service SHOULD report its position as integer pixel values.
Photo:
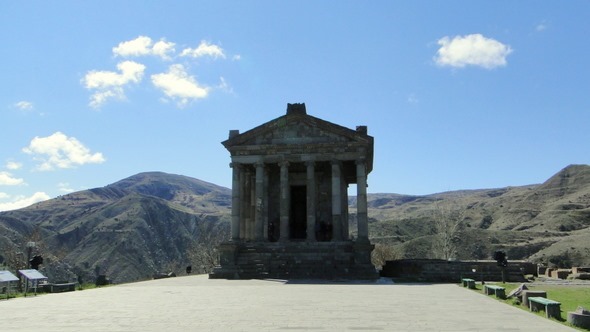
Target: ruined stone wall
(452, 271)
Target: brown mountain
(129, 230)
(547, 223)
(157, 222)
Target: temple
(290, 218)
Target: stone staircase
(298, 260)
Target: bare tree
(383, 253)
(448, 225)
(202, 252)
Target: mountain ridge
(153, 221)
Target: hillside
(157, 222)
(129, 230)
(547, 223)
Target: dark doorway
(298, 215)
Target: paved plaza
(196, 303)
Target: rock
(517, 291)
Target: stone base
(579, 318)
(295, 260)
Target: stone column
(285, 208)
(336, 202)
(311, 201)
(258, 212)
(252, 205)
(244, 203)
(235, 201)
(361, 201)
(265, 207)
(344, 206)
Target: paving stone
(196, 303)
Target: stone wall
(452, 271)
(295, 260)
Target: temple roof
(297, 133)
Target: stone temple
(290, 219)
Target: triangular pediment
(297, 129)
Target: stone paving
(195, 303)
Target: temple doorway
(298, 215)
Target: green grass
(570, 296)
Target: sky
(457, 94)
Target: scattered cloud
(178, 85)
(24, 105)
(109, 85)
(23, 201)
(142, 46)
(412, 99)
(162, 48)
(65, 187)
(471, 50)
(6, 179)
(204, 49)
(224, 86)
(541, 26)
(13, 165)
(4, 195)
(61, 151)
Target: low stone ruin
(581, 273)
(579, 318)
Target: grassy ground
(570, 296)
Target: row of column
(245, 196)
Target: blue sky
(457, 94)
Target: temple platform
(295, 260)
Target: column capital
(336, 162)
(234, 164)
(259, 164)
(310, 163)
(283, 163)
(360, 161)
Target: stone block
(581, 276)
(578, 269)
(560, 273)
(548, 271)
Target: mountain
(548, 223)
(129, 230)
(156, 222)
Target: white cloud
(4, 195)
(24, 105)
(65, 187)
(179, 85)
(224, 86)
(61, 151)
(109, 85)
(143, 45)
(163, 48)
(6, 179)
(204, 49)
(541, 27)
(22, 201)
(13, 165)
(472, 50)
(136, 47)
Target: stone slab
(196, 303)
